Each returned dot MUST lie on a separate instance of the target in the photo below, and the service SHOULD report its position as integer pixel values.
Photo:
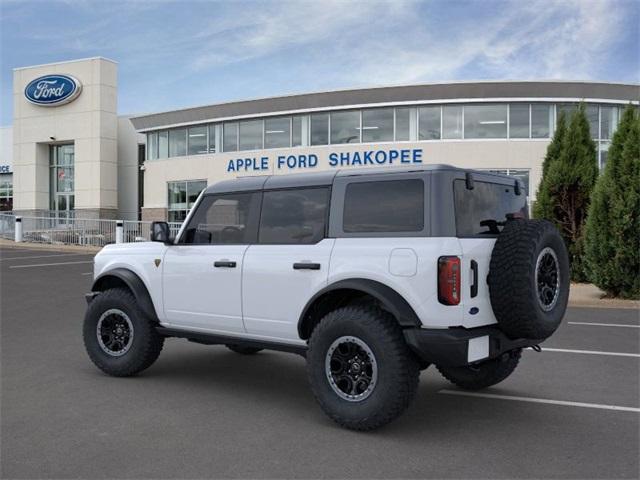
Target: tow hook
(536, 348)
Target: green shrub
(612, 236)
(566, 187)
(543, 207)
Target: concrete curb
(588, 295)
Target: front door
(202, 273)
(289, 264)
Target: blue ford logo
(53, 90)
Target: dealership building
(70, 152)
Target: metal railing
(68, 231)
(7, 226)
(77, 231)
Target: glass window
(604, 153)
(251, 135)
(377, 125)
(482, 210)
(178, 142)
(403, 124)
(163, 144)
(197, 140)
(277, 132)
(592, 116)
(320, 129)
(212, 138)
(181, 197)
(384, 206)
(61, 179)
(541, 120)
(452, 121)
(519, 120)
(345, 127)
(296, 216)
(296, 131)
(224, 219)
(568, 108)
(230, 137)
(485, 121)
(608, 122)
(429, 123)
(152, 146)
(6, 192)
(519, 173)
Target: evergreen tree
(569, 182)
(543, 207)
(612, 236)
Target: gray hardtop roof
(325, 178)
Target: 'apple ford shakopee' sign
(53, 90)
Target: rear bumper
(455, 347)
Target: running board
(215, 339)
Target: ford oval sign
(53, 90)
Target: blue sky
(178, 54)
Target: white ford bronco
(372, 275)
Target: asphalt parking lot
(203, 412)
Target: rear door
(480, 214)
(289, 263)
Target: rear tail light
(449, 280)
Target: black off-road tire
(397, 368)
(146, 343)
(485, 374)
(243, 349)
(513, 289)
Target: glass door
(62, 176)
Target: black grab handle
(306, 266)
(474, 271)
(225, 264)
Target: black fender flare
(133, 282)
(387, 296)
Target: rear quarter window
(384, 206)
(483, 210)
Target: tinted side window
(224, 219)
(296, 216)
(384, 206)
(481, 211)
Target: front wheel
(485, 374)
(119, 338)
(361, 371)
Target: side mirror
(160, 232)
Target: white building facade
(78, 157)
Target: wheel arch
(346, 291)
(125, 278)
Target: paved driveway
(204, 412)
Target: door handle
(306, 266)
(224, 264)
(474, 272)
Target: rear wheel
(242, 349)
(361, 371)
(119, 338)
(485, 374)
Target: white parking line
(591, 352)
(44, 256)
(88, 273)
(540, 400)
(604, 324)
(50, 264)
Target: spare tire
(529, 279)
